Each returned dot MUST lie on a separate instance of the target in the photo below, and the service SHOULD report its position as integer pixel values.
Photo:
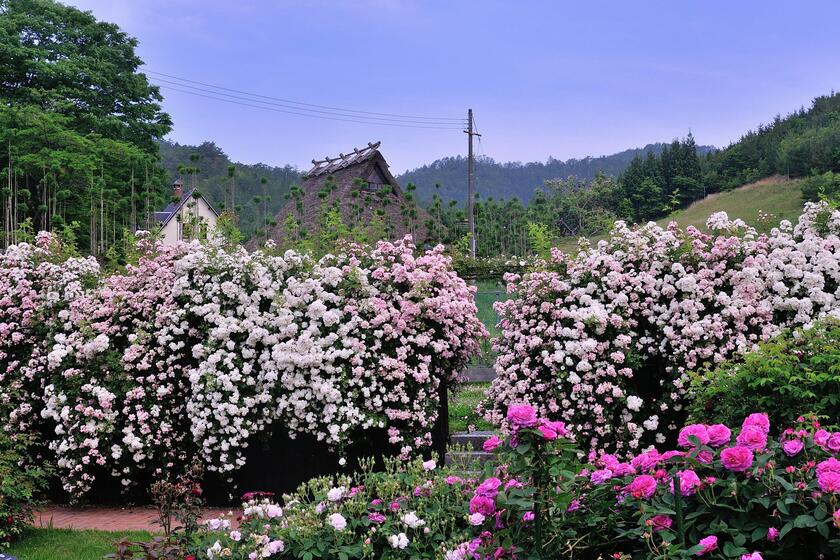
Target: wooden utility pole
(470, 215)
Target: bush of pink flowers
(726, 492)
(198, 347)
(604, 340)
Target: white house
(188, 216)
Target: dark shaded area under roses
(274, 463)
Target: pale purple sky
(545, 78)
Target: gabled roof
(330, 165)
(164, 216)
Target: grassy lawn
(461, 408)
(779, 197)
(489, 292)
(67, 544)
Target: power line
(298, 109)
(269, 108)
(303, 106)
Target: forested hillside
(514, 179)
(258, 190)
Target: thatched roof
(356, 178)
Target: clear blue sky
(561, 79)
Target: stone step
(474, 374)
(467, 460)
(470, 440)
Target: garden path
(108, 518)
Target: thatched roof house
(360, 185)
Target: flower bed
(199, 347)
(605, 340)
(725, 493)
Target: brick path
(107, 518)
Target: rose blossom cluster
(198, 347)
(712, 459)
(604, 340)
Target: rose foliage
(199, 347)
(605, 340)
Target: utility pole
(470, 164)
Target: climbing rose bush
(198, 347)
(604, 340)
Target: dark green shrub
(795, 373)
(20, 486)
(821, 187)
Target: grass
(65, 544)
(462, 405)
(776, 196)
(489, 292)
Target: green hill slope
(762, 204)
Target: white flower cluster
(604, 340)
(198, 348)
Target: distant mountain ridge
(514, 179)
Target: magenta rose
(772, 534)
(558, 427)
(522, 416)
(829, 465)
(488, 488)
(661, 522)
(483, 505)
(753, 437)
(547, 433)
(643, 487)
(698, 430)
(737, 459)
(709, 544)
(792, 447)
(833, 443)
(689, 482)
(600, 476)
(821, 437)
(829, 482)
(719, 435)
(491, 443)
(757, 420)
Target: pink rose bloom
(673, 453)
(522, 416)
(772, 534)
(491, 443)
(792, 447)
(709, 544)
(753, 556)
(661, 522)
(547, 433)
(483, 505)
(643, 487)
(752, 437)
(719, 435)
(489, 487)
(528, 516)
(821, 437)
(705, 456)
(698, 430)
(689, 482)
(737, 458)
(450, 480)
(645, 461)
(757, 420)
(600, 476)
(829, 482)
(376, 517)
(831, 464)
(833, 443)
(558, 427)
